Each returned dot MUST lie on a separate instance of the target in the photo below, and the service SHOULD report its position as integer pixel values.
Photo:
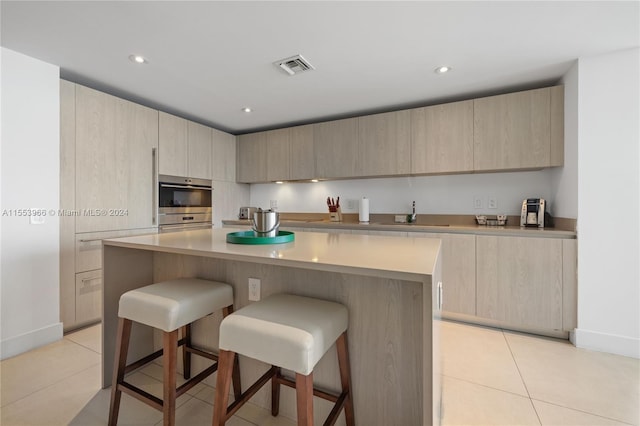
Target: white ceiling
(207, 59)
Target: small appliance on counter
(246, 213)
(533, 213)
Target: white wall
(565, 179)
(450, 194)
(29, 281)
(608, 193)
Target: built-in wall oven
(184, 203)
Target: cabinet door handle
(154, 183)
(90, 240)
(440, 295)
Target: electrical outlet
(477, 202)
(352, 205)
(254, 289)
(273, 204)
(492, 203)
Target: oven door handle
(168, 185)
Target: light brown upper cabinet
(384, 144)
(277, 158)
(115, 141)
(173, 156)
(185, 147)
(199, 138)
(251, 158)
(335, 144)
(514, 131)
(302, 163)
(223, 156)
(442, 138)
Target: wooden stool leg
(345, 377)
(304, 399)
(169, 360)
(223, 382)
(275, 393)
(237, 387)
(122, 346)
(186, 355)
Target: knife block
(335, 215)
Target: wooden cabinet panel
(67, 201)
(252, 165)
(173, 144)
(458, 254)
(88, 246)
(302, 161)
(557, 126)
(442, 138)
(569, 284)
(223, 156)
(384, 144)
(335, 144)
(519, 281)
(114, 162)
(512, 131)
(88, 297)
(199, 150)
(277, 155)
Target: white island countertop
(385, 256)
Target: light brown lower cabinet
(88, 296)
(458, 253)
(520, 281)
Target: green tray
(249, 237)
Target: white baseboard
(611, 343)
(31, 340)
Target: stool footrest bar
(316, 392)
(140, 395)
(246, 395)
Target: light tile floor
(490, 377)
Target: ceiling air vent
(294, 65)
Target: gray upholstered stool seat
(168, 306)
(291, 332)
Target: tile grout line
(582, 411)
(51, 385)
(524, 383)
(485, 386)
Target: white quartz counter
(511, 231)
(403, 258)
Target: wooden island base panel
(388, 284)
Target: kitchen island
(390, 286)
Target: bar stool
(168, 306)
(290, 332)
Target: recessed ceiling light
(138, 59)
(442, 70)
(246, 109)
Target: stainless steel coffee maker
(532, 214)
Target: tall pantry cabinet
(107, 166)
